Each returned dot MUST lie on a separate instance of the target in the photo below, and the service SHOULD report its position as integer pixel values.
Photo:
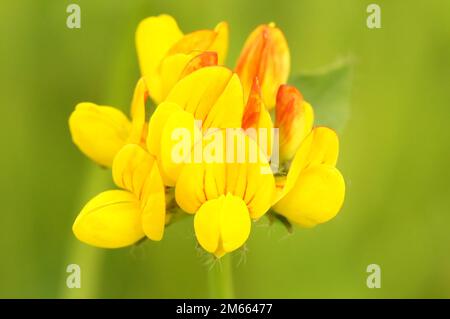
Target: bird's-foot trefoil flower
(164, 52)
(101, 131)
(313, 190)
(225, 195)
(118, 218)
(179, 154)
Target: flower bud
(265, 55)
(99, 131)
(294, 118)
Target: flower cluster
(183, 74)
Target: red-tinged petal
(265, 55)
(138, 113)
(254, 106)
(202, 60)
(294, 118)
(256, 120)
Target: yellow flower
(313, 190)
(225, 196)
(101, 131)
(164, 52)
(198, 102)
(119, 218)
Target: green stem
(220, 279)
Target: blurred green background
(394, 152)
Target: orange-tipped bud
(266, 56)
(294, 118)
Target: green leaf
(328, 91)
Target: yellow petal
(316, 197)
(222, 225)
(321, 146)
(207, 225)
(260, 190)
(154, 37)
(222, 114)
(298, 163)
(266, 56)
(189, 191)
(220, 43)
(216, 176)
(294, 118)
(135, 170)
(156, 125)
(167, 75)
(112, 219)
(325, 147)
(173, 68)
(154, 207)
(131, 167)
(181, 120)
(140, 96)
(195, 41)
(250, 180)
(138, 113)
(177, 140)
(204, 40)
(99, 131)
(235, 223)
(212, 94)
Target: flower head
(205, 143)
